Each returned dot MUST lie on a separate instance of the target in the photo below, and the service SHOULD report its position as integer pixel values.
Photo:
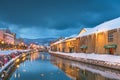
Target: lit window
(110, 36)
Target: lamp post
(2, 45)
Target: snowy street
(6, 52)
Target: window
(110, 36)
(84, 40)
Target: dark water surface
(43, 66)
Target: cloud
(53, 18)
(42, 33)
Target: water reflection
(42, 66)
(38, 66)
(80, 71)
(34, 56)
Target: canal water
(43, 66)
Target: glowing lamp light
(22, 43)
(18, 66)
(23, 55)
(24, 58)
(17, 60)
(2, 42)
(12, 43)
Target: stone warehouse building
(102, 39)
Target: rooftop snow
(87, 29)
(66, 38)
(109, 25)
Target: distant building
(19, 41)
(7, 36)
(2, 35)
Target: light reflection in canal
(42, 66)
(81, 71)
(38, 66)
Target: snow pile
(23, 50)
(7, 64)
(13, 59)
(6, 52)
(111, 59)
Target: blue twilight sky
(55, 18)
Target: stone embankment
(96, 62)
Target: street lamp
(3, 44)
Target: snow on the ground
(6, 52)
(111, 59)
(7, 64)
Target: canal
(43, 66)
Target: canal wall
(88, 61)
(7, 67)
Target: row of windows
(110, 37)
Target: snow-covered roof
(57, 42)
(72, 37)
(87, 29)
(11, 35)
(109, 25)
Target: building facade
(102, 39)
(71, 45)
(19, 41)
(2, 35)
(7, 36)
